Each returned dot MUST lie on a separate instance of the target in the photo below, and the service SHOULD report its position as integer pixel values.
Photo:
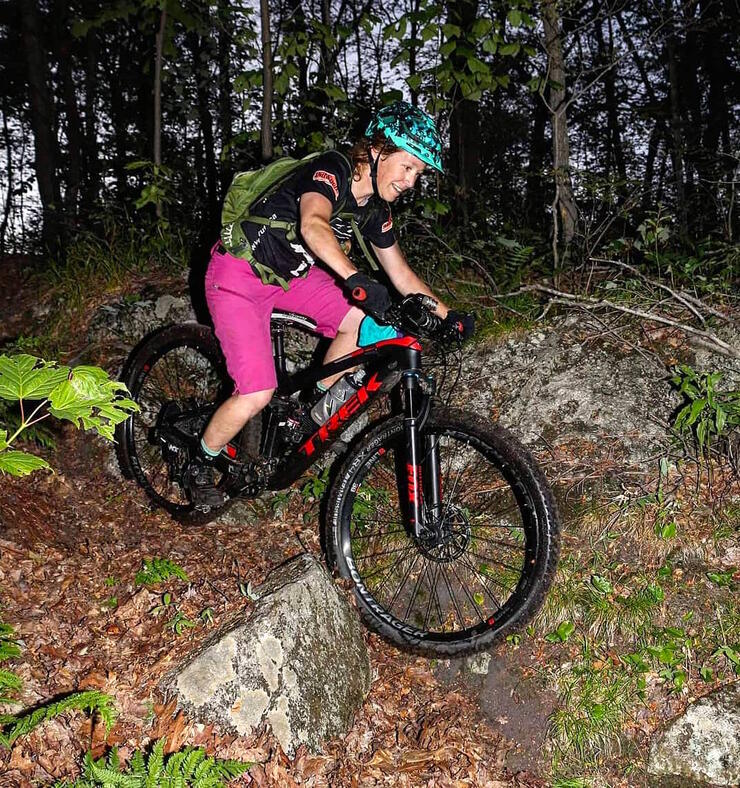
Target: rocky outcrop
(548, 386)
(298, 662)
(701, 748)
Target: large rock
(121, 324)
(701, 748)
(548, 387)
(299, 662)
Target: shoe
(202, 486)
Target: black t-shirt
(330, 175)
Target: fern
(92, 701)
(188, 768)
(155, 570)
(10, 683)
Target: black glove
(462, 322)
(369, 295)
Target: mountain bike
(439, 518)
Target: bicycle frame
(384, 362)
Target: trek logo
(342, 416)
(387, 226)
(326, 177)
(413, 475)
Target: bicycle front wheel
(485, 565)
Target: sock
(208, 452)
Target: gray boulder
(547, 387)
(298, 662)
(124, 322)
(701, 748)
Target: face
(397, 173)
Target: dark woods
(567, 122)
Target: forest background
(567, 123)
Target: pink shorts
(240, 306)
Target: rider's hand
(368, 294)
(462, 322)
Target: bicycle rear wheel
(176, 375)
(487, 568)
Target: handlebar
(415, 315)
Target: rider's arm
(318, 235)
(403, 277)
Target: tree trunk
(565, 211)
(676, 126)
(43, 123)
(413, 48)
(225, 114)
(534, 196)
(91, 186)
(73, 124)
(158, 97)
(266, 125)
(112, 64)
(464, 119)
(195, 43)
(9, 161)
(606, 57)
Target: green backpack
(246, 189)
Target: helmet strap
(373, 169)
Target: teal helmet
(411, 129)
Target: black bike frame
(384, 362)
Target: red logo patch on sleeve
(388, 225)
(326, 177)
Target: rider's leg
(232, 415)
(345, 341)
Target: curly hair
(358, 153)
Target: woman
(318, 204)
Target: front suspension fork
(422, 464)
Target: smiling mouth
(398, 190)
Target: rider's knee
(251, 404)
(351, 321)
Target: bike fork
(422, 464)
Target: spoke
(381, 553)
(374, 534)
(388, 576)
(491, 560)
(499, 542)
(416, 590)
(485, 579)
(383, 569)
(433, 597)
(403, 583)
(453, 598)
(476, 606)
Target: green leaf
(509, 49)
(601, 584)
(20, 463)
(478, 597)
(414, 81)
(514, 17)
(429, 31)
(28, 377)
(451, 31)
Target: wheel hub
(446, 539)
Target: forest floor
(632, 630)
